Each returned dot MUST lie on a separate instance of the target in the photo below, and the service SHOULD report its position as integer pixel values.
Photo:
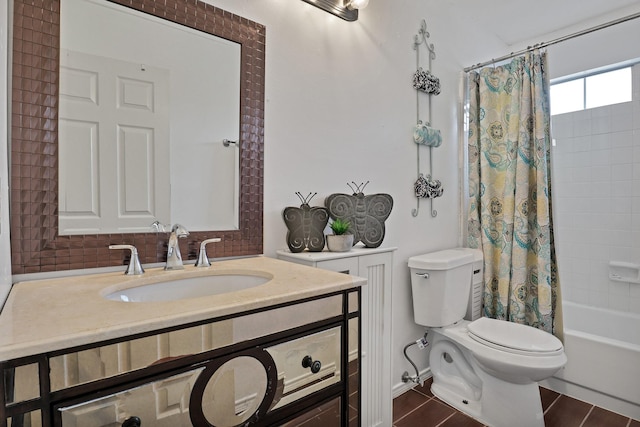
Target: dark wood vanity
(279, 365)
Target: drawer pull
(308, 362)
(132, 422)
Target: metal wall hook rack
(419, 40)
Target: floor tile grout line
(412, 411)
(445, 420)
(552, 403)
(586, 416)
(424, 394)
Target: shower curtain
(510, 194)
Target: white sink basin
(192, 287)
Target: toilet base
(459, 380)
(499, 405)
(473, 408)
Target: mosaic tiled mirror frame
(35, 243)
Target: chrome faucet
(174, 259)
(203, 259)
(134, 268)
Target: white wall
(598, 49)
(5, 250)
(340, 107)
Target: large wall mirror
(59, 58)
(142, 100)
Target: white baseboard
(402, 387)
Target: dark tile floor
(418, 407)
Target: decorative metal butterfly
(365, 213)
(305, 225)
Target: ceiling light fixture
(345, 9)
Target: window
(567, 97)
(591, 91)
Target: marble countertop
(53, 314)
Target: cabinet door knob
(308, 362)
(132, 422)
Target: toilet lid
(513, 337)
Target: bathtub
(603, 352)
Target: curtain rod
(558, 40)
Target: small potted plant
(341, 240)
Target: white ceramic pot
(340, 243)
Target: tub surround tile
(52, 314)
(600, 200)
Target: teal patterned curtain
(510, 191)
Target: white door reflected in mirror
(123, 178)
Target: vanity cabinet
(374, 264)
(288, 364)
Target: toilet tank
(440, 284)
(474, 306)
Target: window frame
(590, 73)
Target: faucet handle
(203, 260)
(158, 226)
(134, 267)
(180, 230)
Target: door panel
(114, 145)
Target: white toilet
(486, 368)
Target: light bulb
(357, 4)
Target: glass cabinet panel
(227, 391)
(107, 361)
(163, 403)
(30, 419)
(21, 383)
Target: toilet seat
(514, 338)
(504, 361)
